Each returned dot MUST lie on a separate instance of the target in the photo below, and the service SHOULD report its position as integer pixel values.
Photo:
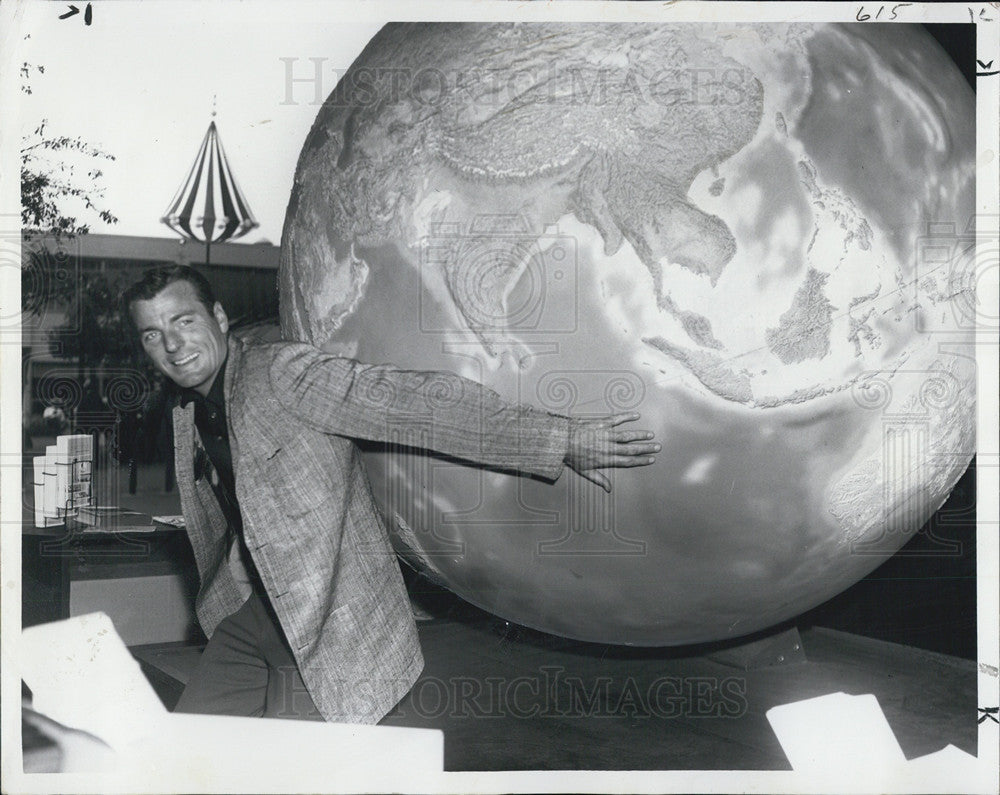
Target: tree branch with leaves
(56, 170)
(48, 180)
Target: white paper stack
(50, 488)
(847, 743)
(41, 519)
(828, 733)
(82, 675)
(74, 461)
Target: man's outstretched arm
(468, 420)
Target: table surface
(469, 689)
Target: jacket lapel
(185, 443)
(235, 395)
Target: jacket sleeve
(459, 417)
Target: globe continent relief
(753, 235)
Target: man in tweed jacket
(301, 595)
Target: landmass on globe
(737, 220)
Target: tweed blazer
(309, 519)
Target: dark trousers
(248, 670)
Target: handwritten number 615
(861, 16)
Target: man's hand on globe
(595, 444)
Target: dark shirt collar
(216, 395)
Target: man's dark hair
(156, 279)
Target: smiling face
(185, 341)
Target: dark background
(959, 41)
(925, 594)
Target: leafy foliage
(49, 178)
(48, 181)
(51, 184)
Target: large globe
(754, 235)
